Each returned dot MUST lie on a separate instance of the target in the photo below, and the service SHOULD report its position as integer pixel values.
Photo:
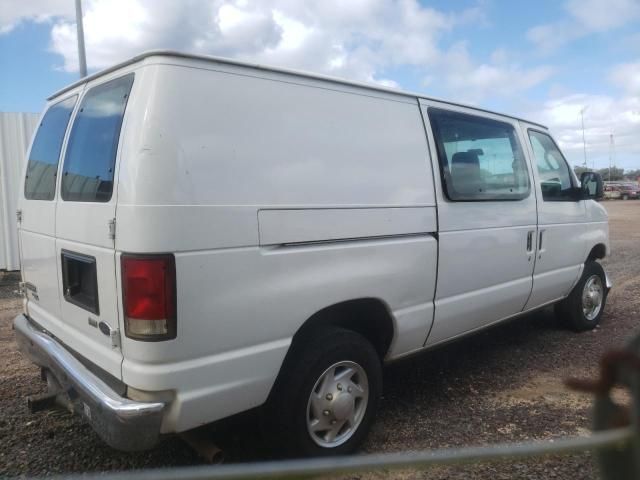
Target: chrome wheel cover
(592, 297)
(337, 404)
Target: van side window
(480, 158)
(91, 152)
(40, 182)
(553, 170)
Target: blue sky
(544, 60)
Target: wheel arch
(370, 317)
(598, 251)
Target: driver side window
(553, 170)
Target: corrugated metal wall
(15, 134)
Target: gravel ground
(502, 385)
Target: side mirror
(592, 186)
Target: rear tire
(583, 308)
(326, 396)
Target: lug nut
(326, 413)
(333, 422)
(339, 386)
(349, 389)
(329, 397)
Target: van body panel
(214, 387)
(316, 225)
(288, 284)
(466, 301)
(181, 177)
(333, 160)
(36, 235)
(40, 274)
(553, 285)
(83, 227)
(505, 300)
(285, 281)
(82, 331)
(83, 223)
(280, 195)
(598, 231)
(562, 239)
(161, 228)
(474, 237)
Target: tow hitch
(44, 401)
(54, 397)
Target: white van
(200, 237)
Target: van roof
(257, 66)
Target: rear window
(93, 142)
(40, 182)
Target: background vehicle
(200, 237)
(612, 191)
(629, 191)
(621, 190)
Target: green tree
(616, 174)
(633, 175)
(580, 170)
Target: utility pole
(613, 152)
(584, 143)
(610, 153)
(82, 57)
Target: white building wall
(16, 130)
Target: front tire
(583, 308)
(326, 397)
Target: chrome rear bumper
(122, 423)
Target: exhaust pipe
(199, 441)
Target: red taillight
(149, 296)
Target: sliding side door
(487, 219)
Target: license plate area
(80, 281)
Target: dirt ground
(502, 385)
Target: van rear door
(85, 224)
(36, 213)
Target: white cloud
(586, 17)
(471, 82)
(604, 115)
(14, 12)
(627, 77)
(362, 40)
(357, 39)
(548, 37)
(602, 15)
